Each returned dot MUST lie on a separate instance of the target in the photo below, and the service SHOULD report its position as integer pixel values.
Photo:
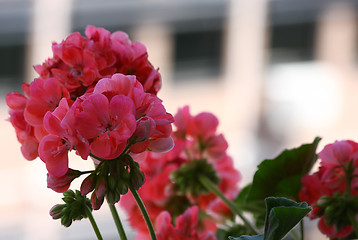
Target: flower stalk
(93, 223)
(302, 229)
(211, 187)
(117, 221)
(143, 210)
(354, 223)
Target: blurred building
(276, 73)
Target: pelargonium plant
(97, 96)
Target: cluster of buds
(110, 179)
(76, 207)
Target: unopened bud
(56, 211)
(96, 202)
(73, 209)
(122, 188)
(88, 184)
(113, 197)
(137, 178)
(61, 184)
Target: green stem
(93, 223)
(143, 210)
(211, 187)
(117, 221)
(302, 229)
(98, 158)
(86, 172)
(354, 223)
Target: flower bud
(88, 184)
(61, 184)
(96, 202)
(186, 178)
(73, 209)
(56, 211)
(111, 182)
(113, 196)
(122, 187)
(137, 178)
(66, 220)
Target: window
(197, 54)
(292, 42)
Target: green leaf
(256, 237)
(280, 177)
(282, 215)
(236, 230)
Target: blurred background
(276, 73)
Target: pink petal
(97, 105)
(204, 124)
(16, 101)
(29, 149)
(332, 232)
(163, 221)
(182, 120)
(343, 150)
(83, 148)
(327, 155)
(92, 121)
(145, 129)
(118, 84)
(54, 153)
(161, 144)
(140, 147)
(188, 220)
(52, 124)
(122, 108)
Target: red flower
(153, 122)
(80, 62)
(332, 231)
(24, 131)
(338, 164)
(187, 227)
(132, 59)
(159, 192)
(106, 124)
(45, 95)
(53, 148)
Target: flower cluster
(186, 226)
(173, 185)
(332, 191)
(96, 96)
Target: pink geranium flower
(332, 231)
(160, 194)
(153, 122)
(106, 124)
(186, 227)
(24, 131)
(200, 130)
(80, 62)
(53, 148)
(45, 95)
(132, 59)
(337, 160)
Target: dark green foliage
(282, 215)
(73, 209)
